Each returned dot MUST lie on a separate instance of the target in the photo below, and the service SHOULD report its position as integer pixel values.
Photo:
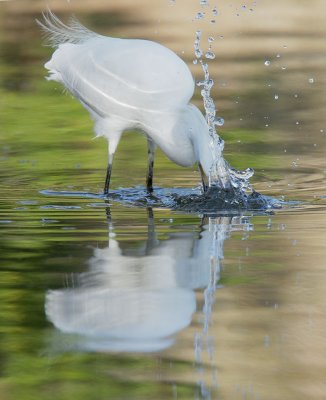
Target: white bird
(131, 84)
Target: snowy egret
(131, 84)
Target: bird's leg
(151, 152)
(108, 175)
(114, 138)
(204, 178)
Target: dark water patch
(217, 199)
(178, 199)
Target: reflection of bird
(136, 301)
(128, 84)
(139, 298)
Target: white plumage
(131, 84)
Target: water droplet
(322, 131)
(276, 97)
(198, 53)
(221, 37)
(311, 80)
(219, 121)
(278, 55)
(296, 95)
(200, 15)
(283, 68)
(203, 2)
(297, 123)
(215, 11)
(210, 55)
(267, 63)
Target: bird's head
(208, 148)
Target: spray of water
(221, 174)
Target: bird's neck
(200, 138)
(209, 149)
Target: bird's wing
(113, 74)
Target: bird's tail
(56, 32)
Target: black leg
(108, 175)
(204, 179)
(149, 178)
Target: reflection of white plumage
(138, 301)
(133, 303)
(131, 84)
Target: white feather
(56, 32)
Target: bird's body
(131, 84)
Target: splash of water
(221, 174)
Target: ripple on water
(56, 207)
(178, 199)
